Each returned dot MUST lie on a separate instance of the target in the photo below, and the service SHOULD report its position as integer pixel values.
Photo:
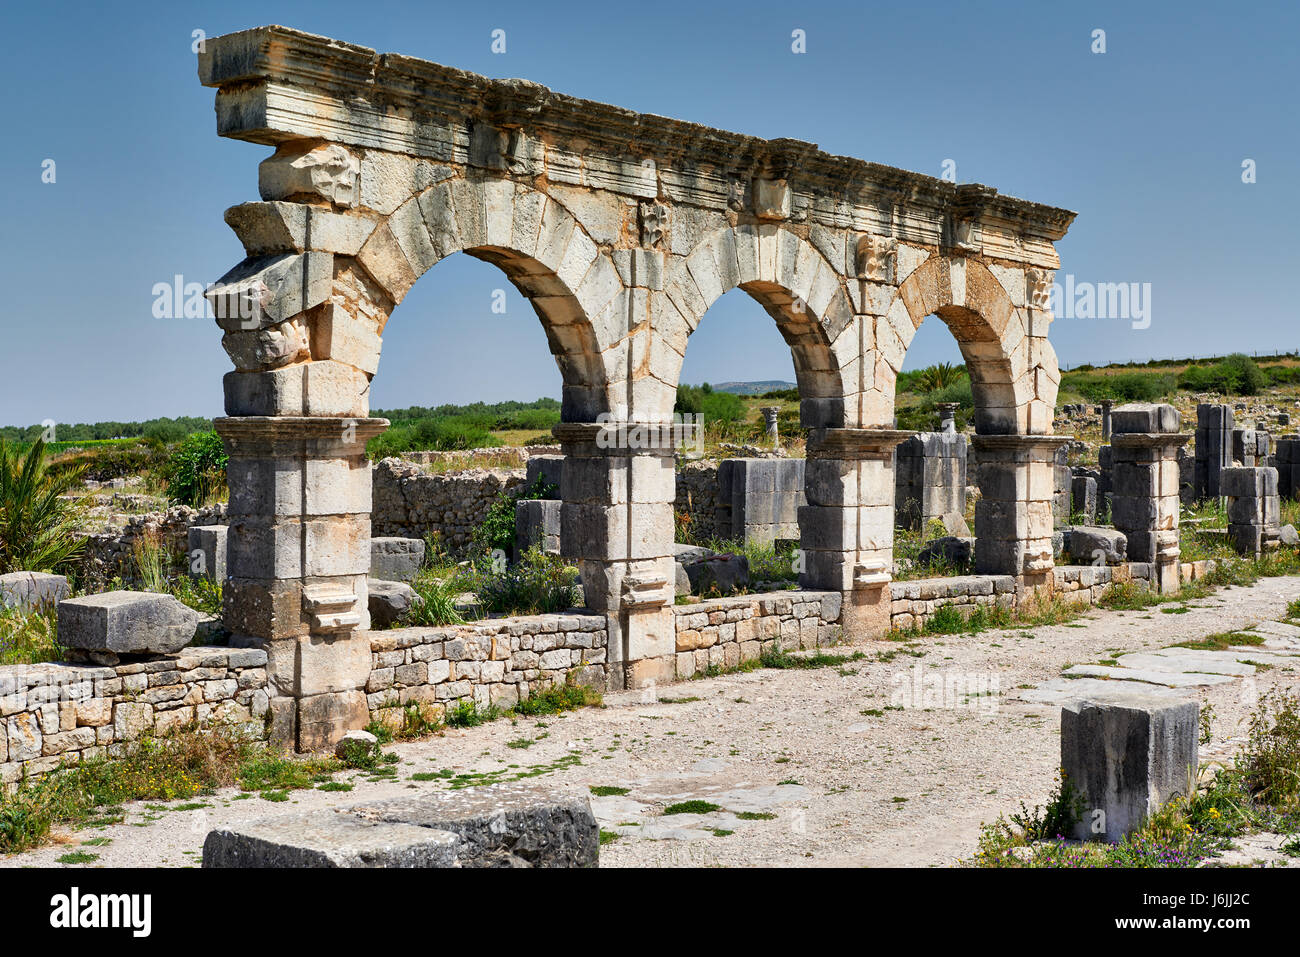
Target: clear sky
(1146, 141)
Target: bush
(538, 584)
(1238, 374)
(497, 530)
(37, 524)
(196, 470)
(1122, 387)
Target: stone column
(1214, 426)
(1144, 501)
(1253, 508)
(1013, 518)
(846, 530)
(769, 420)
(297, 560)
(1106, 406)
(947, 416)
(617, 521)
(1288, 466)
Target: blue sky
(1145, 141)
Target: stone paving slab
(1057, 691)
(1200, 663)
(1171, 679)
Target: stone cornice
(277, 84)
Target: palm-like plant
(37, 526)
(940, 376)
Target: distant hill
(752, 388)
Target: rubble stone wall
(59, 713)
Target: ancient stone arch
(622, 229)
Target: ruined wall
(412, 503)
(59, 713)
(495, 662)
(697, 499)
(109, 554)
(723, 632)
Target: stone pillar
(1013, 518)
(1145, 502)
(1106, 406)
(1213, 448)
(617, 521)
(1288, 466)
(947, 416)
(846, 530)
(769, 420)
(1253, 508)
(298, 555)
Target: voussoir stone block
(326, 171)
(1126, 757)
(126, 622)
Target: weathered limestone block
(396, 559)
(322, 388)
(268, 348)
(723, 574)
(537, 522)
(388, 601)
(310, 172)
(207, 551)
(324, 718)
(502, 825)
(32, 590)
(328, 838)
(126, 622)
(946, 550)
(1126, 757)
(338, 335)
(1092, 545)
(265, 290)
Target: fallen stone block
(30, 591)
(1126, 757)
(502, 825)
(328, 839)
(947, 550)
(396, 559)
(723, 573)
(207, 551)
(126, 622)
(388, 601)
(1094, 544)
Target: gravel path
(809, 767)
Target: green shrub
(497, 530)
(538, 584)
(1121, 387)
(1237, 374)
(196, 470)
(37, 524)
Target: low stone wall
(723, 632)
(409, 502)
(494, 662)
(914, 602)
(59, 713)
(109, 554)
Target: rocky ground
(863, 764)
